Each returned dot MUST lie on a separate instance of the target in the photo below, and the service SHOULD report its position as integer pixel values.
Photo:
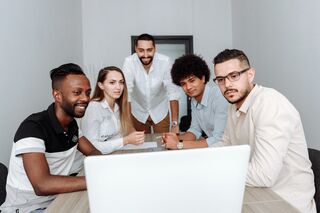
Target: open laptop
(197, 180)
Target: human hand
(170, 140)
(136, 137)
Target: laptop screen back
(198, 180)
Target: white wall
(282, 38)
(108, 25)
(35, 36)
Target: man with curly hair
(209, 108)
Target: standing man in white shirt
(150, 88)
(270, 124)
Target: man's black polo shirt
(40, 132)
(45, 126)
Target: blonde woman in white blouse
(107, 122)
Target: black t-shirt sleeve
(27, 129)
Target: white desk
(256, 200)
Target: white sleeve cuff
(30, 144)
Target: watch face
(180, 145)
(174, 123)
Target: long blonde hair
(122, 101)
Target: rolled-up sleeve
(220, 119)
(195, 126)
(106, 147)
(172, 89)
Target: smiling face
(193, 86)
(73, 95)
(145, 50)
(112, 86)
(235, 91)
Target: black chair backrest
(314, 156)
(185, 123)
(3, 180)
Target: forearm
(195, 144)
(190, 141)
(87, 148)
(56, 184)
(109, 146)
(188, 136)
(94, 152)
(43, 182)
(174, 108)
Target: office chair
(185, 121)
(314, 156)
(3, 180)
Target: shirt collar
(105, 105)
(56, 124)
(204, 100)
(249, 99)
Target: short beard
(69, 110)
(240, 99)
(146, 64)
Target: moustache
(230, 90)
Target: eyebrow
(140, 48)
(222, 76)
(115, 79)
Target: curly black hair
(188, 65)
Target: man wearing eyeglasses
(209, 108)
(264, 119)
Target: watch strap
(180, 144)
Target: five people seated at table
(45, 144)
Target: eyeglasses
(233, 76)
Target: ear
(56, 95)
(100, 85)
(251, 74)
(203, 79)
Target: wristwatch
(174, 123)
(180, 144)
